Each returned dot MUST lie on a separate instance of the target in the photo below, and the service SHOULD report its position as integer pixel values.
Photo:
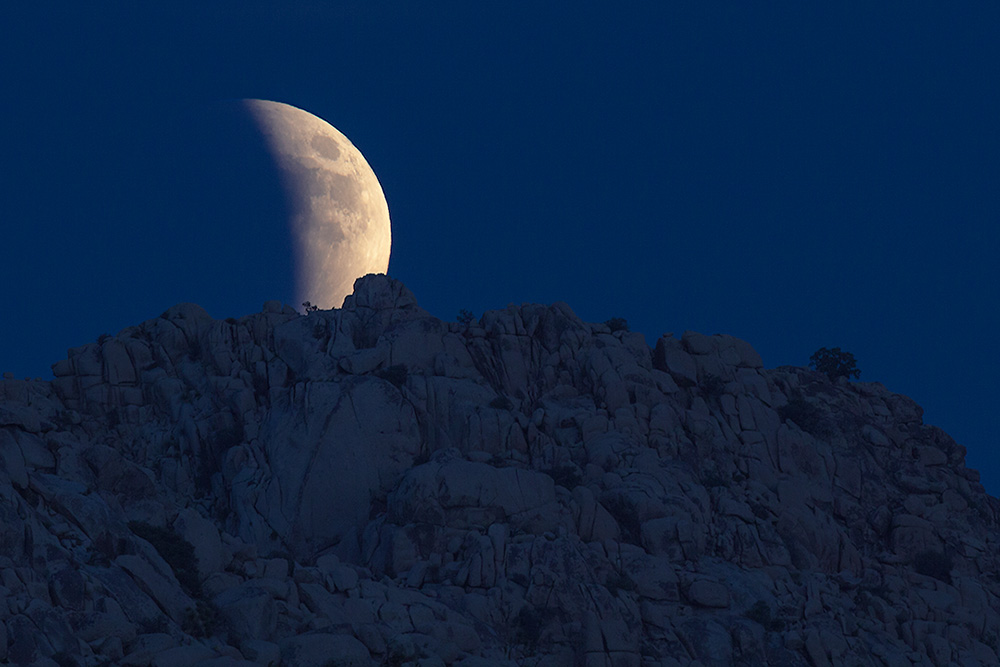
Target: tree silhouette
(834, 363)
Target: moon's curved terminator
(339, 216)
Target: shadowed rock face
(378, 485)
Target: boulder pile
(372, 485)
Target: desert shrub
(261, 388)
(798, 553)
(760, 511)
(834, 363)
(395, 374)
(760, 612)
(713, 386)
(806, 415)
(501, 403)
(400, 650)
(153, 625)
(309, 308)
(65, 659)
(626, 514)
(519, 579)
(364, 338)
(194, 349)
(424, 535)
(565, 476)
(201, 620)
(175, 550)
(528, 625)
(711, 479)
(617, 324)
(378, 506)
(465, 317)
(934, 564)
(620, 581)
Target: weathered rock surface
(374, 485)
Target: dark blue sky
(794, 175)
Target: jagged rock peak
(378, 291)
(373, 485)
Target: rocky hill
(372, 485)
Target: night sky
(795, 175)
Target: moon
(339, 218)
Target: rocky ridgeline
(372, 485)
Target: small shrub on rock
(395, 374)
(713, 386)
(201, 620)
(175, 550)
(401, 650)
(806, 415)
(711, 479)
(620, 581)
(617, 324)
(566, 476)
(501, 403)
(321, 330)
(760, 612)
(626, 514)
(934, 564)
(528, 625)
(760, 511)
(834, 363)
(465, 317)
(65, 659)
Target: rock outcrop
(372, 485)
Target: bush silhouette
(834, 363)
(201, 620)
(713, 386)
(396, 374)
(565, 476)
(806, 415)
(465, 317)
(934, 564)
(501, 403)
(760, 612)
(617, 324)
(175, 550)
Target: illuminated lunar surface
(339, 218)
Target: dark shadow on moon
(228, 183)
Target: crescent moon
(339, 219)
